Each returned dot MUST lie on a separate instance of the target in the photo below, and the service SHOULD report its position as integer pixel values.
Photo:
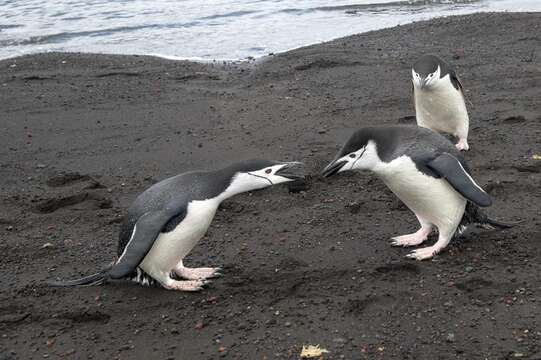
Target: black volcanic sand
(84, 134)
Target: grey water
(210, 29)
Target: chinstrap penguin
(439, 99)
(167, 220)
(427, 173)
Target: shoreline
(83, 134)
(255, 58)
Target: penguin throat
(262, 177)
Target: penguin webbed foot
(186, 285)
(424, 253)
(409, 239)
(198, 273)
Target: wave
(379, 6)
(64, 36)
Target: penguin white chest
(441, 108)
(171, 247)
(431, 198)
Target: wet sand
(84, 134)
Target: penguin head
(358, 153)
(257, 174)
(426, 72)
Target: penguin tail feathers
(90, 280)
(474, 214)
(498, 224)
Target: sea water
(210, 29)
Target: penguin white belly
(442, 109)
(171, 247)
(432, 199)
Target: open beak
(333, 168)
(292, 170)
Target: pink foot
(424, 253)
(462, 145)
(412, 239)
(408, 240)
(197, 273)
(191, 285)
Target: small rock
(353, 207)
(41, 166)
(47, 245)
(9, 228)
(450, 337)
(321, 131)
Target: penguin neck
(441, 85)
(241, 183)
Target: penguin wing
(144, 233)
(448, 167)
(456, 81)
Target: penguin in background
(167, 220)
(439, 99)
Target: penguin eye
(268, 171)
(352, 155)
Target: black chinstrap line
(262, 177)
(359, 158)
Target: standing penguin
(439, 99)
(426, 172)
(166, 221)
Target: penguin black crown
(167, 220)
(427, 173)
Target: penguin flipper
(144, 233)
(456, 81)
(448, 167)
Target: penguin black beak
(423, 82)
(333, 168)
(293, 170)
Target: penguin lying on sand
(166, 221)
(439, 99)
(427, 173)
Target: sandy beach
(83, 134)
